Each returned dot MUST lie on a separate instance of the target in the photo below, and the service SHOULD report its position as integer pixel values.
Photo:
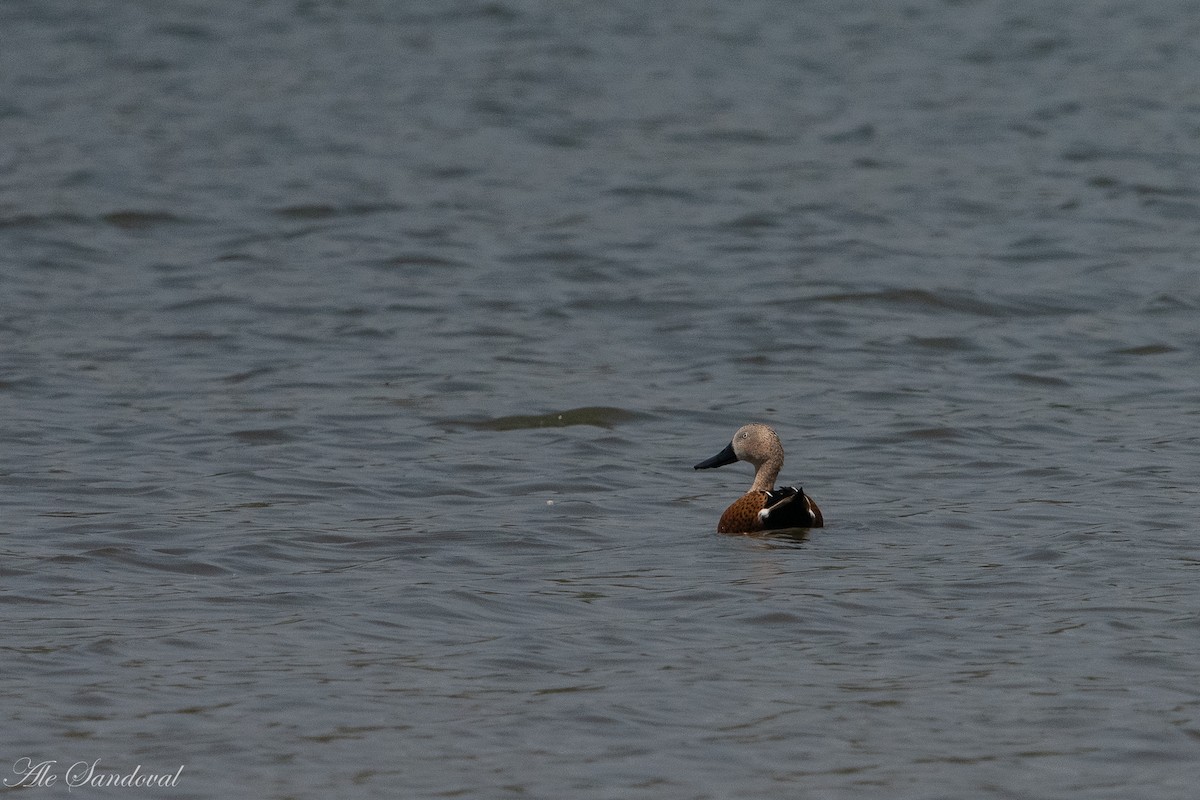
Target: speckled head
(756, 444)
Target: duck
(763, 507)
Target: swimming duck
(763, 507)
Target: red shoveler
(763, 507)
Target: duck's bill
(722, 458)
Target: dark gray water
(356, 355)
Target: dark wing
(789, 507)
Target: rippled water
(355, 358)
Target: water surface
(355, 358)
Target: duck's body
(763, 507)
(786, 507)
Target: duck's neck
(765, 475)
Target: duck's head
(754, 443)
